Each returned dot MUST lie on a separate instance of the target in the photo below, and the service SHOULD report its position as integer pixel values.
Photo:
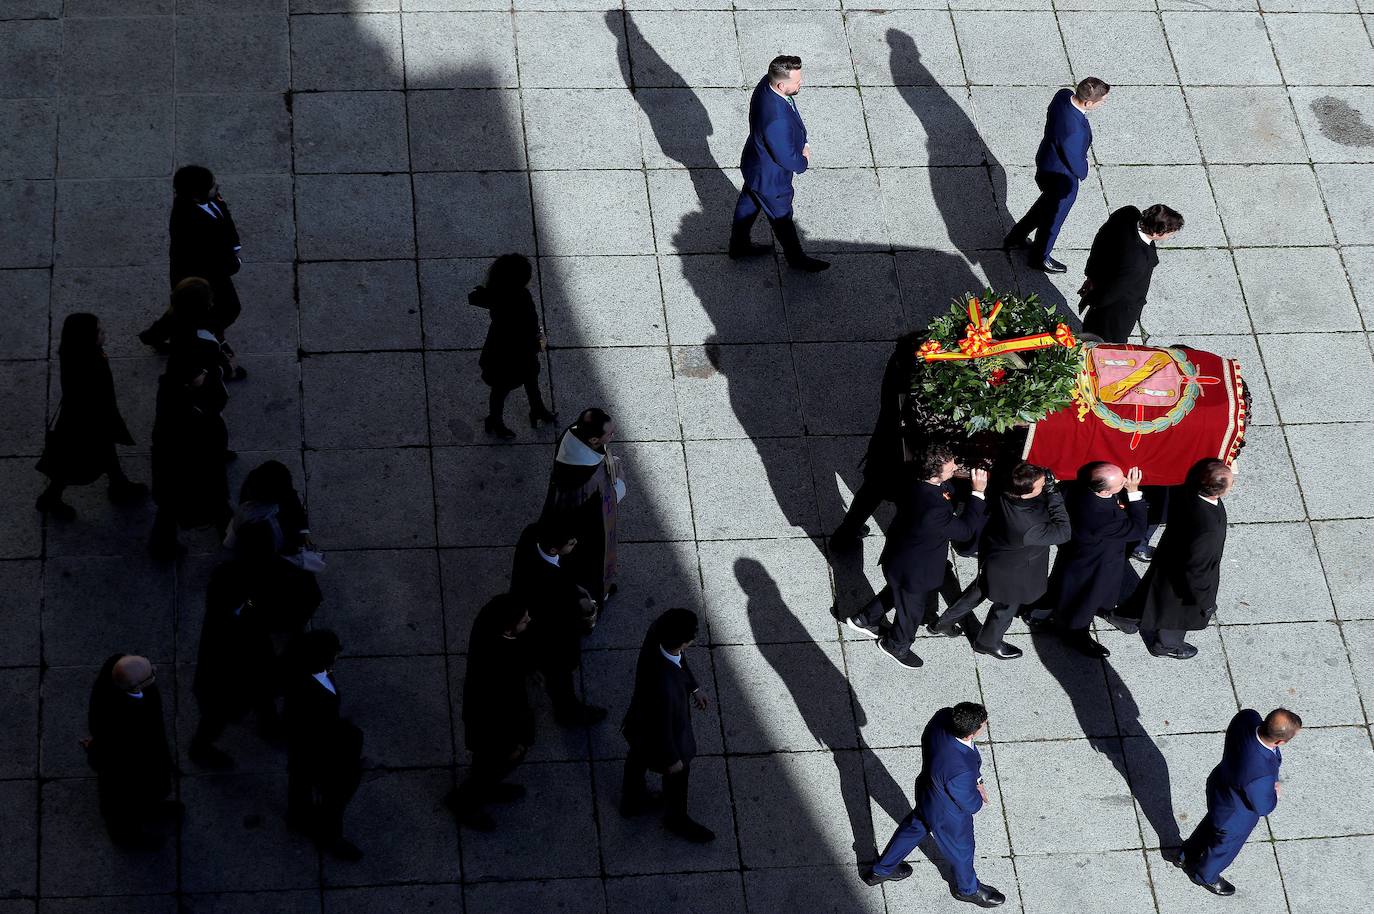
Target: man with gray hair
(775, 151)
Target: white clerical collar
(551, 559)
(1210, 501)
(1273, 749)
(206, 335)
(138, 694)
(573, 450)
(674, 659)
(324, 680)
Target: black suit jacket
(658, 725)
(496, 706)
(1014, 559)
(1088, 568)
(917, 546)
(128, 739)
(553, 600)
(1180, 590)
(201, 244)
(1120, 266)
(319, 742)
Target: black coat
(236, 665)
(553, 599)
(496, 706)
(1120, 266)
(189, 436)
(510, 355)
(1014, 558)
(206, 246)
(81, 445)
(917, 545)
(1179, 591)
(128, 748)
(320, 743)
(1089, 567)
(658, 724)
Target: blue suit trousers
(1211, 848)
(904, 841)
(1047, 214)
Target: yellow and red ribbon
(978, 343)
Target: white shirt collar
(551, 559)
(1210, 501)
(674, 659)
(1144, 237)
(1273, 749)
(324, 680)
(138, 694)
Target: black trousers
(319, 798)
(1047, 214)
(633, 789)
(214, 719)
(913, 609)
(1165, 638)
(496, 400)
(871, 494)
(998, 620)
(488, 770)
(558, 682)
(747, 209)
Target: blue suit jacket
(947, 788)
(1064, 150)
(1241, 788)
(773, 152)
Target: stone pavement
(378, 153)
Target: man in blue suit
(1244, 787)
(1060, 163)
(949, 791)
(775, 151)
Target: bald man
(1088, 568)
(128, 750)
(1179, 592)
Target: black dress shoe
(1083, 642)
(809, 264)
(1049, 265)
(1184, 651)
(1012, 242)
(902, 871)
(952, 630)
(1122, 624)
(1220, 887)
(497, 428)
(985, 897)
(741, 251)
(906, 658)
(845, 536)
(1003, 651)
(689, 828)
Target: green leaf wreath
(998, 391)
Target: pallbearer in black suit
(1013, 558)
(1088, 568)
(1179, 593)
(915, 557)
(658, 725)
(1240, 790)
(1122, 260)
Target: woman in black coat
(269, 496)
(80, 447)
(510, 355)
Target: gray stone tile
(736, 391)
(932, 280)
(265, 413)
(1309, 659)
(1040, 50)
(929, 889)
(19, 840)
(1183, 279)
(81, 8)
(1336, 122)
(1317, 763)
(102, 528)
(346, 52)
(652, 576)
(1322, 458)
(115, 56)
(398, 821)
(1063, 695)
(642, 399)
(384, 602)
(603, 301)
(27, 239)
(465, 129)
(1359, 265)
(656, 480)
(94, 607)
(677, 48)
(23, 425)
(366, 398)
(372, 688)
(1266, 485)
(366, 305)
(243, 132)
(1246, 124)
(768, 590)
(692, 128)
(1046, 784)
(458, 402)
(616, 202)
(566, 896)
(1190, 699)
(543, 42)
(1086, 217)
(717, 893)
(818, 798)
(842, 209)
(28, 138)
(370, 499)
(553, 128)
(1301, 40)
(1122, 137)
(128, 299)
(641, 845)
(885, 710)
(1316, 873)
(1128, 47)
(1011, 120)
(1255, 868)
(32, 9)
(29, 62)
(78, 857)
(797, 694)
(1252, 199)
(246, 812)
(129, 226)
(1345, 548)
(921, 126)
(350, 132)
(297, 901)
(268, 291)
(21, 583)
(1297, 289)
(490, 493)
(709, 298)
(692, 211)
(1271, 573)
(836, 129)
(394, 898)
(837, 381)
(828, 889)
(341, 217)
(1349, 200)
(19, 722)
(837, 472)
(115, 136)
(26, 293)
(817, 36)
(22, 535)
(766, 490)
(904, 47)
(263, 202)
(482, 214)
(482, 41)
(531, 844)
(449, 321)
(1221, 48)
(155, 904)
(1055, 883)
(1183, 187)
(458, 569)
(1301, 398)
(246, 52)
(345, 6)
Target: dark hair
(1281, 723)
(591, 423)
(1023, 477)
(316, 649)
(268, 482)
(193, 181)
(1093, 476)
(192, 299)
(1208, 476)
(966, 717)
(675, 627)
(781, 67)
(1160, 220)
(932, 459)
(1091, 89)
(509, 271)
(80, 332)
(553, 530)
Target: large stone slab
(530, 843)
(1302, 664)
(1047, 783)
(370, 499)
(1345, 548)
